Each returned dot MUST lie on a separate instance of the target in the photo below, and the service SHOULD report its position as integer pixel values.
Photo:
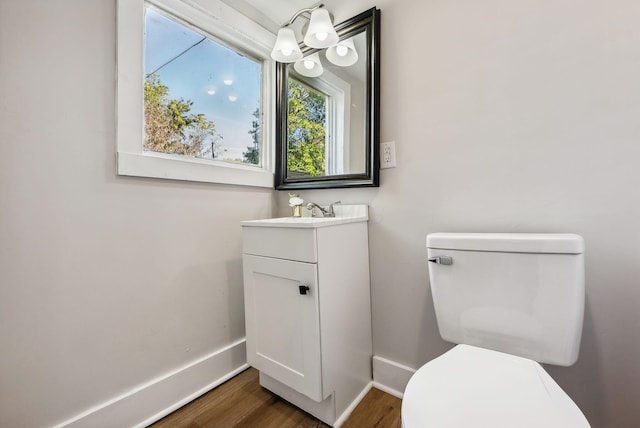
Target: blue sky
(201, 70)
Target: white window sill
(155, 165)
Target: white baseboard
(153, 400)
(391, 377)
(351, 407)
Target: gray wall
(511, 116)
(508, 116)
(106, 282)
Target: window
(318, 121)
(201, 83)
(201, 98)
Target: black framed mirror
(328, 111)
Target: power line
(178, 56)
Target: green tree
(306, 122)
(252, 155)
(170, 127)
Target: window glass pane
(306, 137)
(202, 99)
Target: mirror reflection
(326, 111)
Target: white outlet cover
(388, 154)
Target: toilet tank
(522, 294)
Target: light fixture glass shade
(286, 48)
(343, 54)
(309, 66)
(320, 33)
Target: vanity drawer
(280, 242)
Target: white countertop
(344, 214)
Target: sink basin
(344, 214)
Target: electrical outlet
(388, 154)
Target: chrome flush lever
(442, 260)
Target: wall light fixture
(320, 34)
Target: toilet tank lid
(549, 243)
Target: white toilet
(510, 301)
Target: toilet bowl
(510, 301)
(470, 386)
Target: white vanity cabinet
(308, 311)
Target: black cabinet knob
(303, 289)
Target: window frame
(234, 30)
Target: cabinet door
(283, 325)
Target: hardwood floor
(242, 402)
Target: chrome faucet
(325, 212)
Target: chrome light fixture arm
(300, 12)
